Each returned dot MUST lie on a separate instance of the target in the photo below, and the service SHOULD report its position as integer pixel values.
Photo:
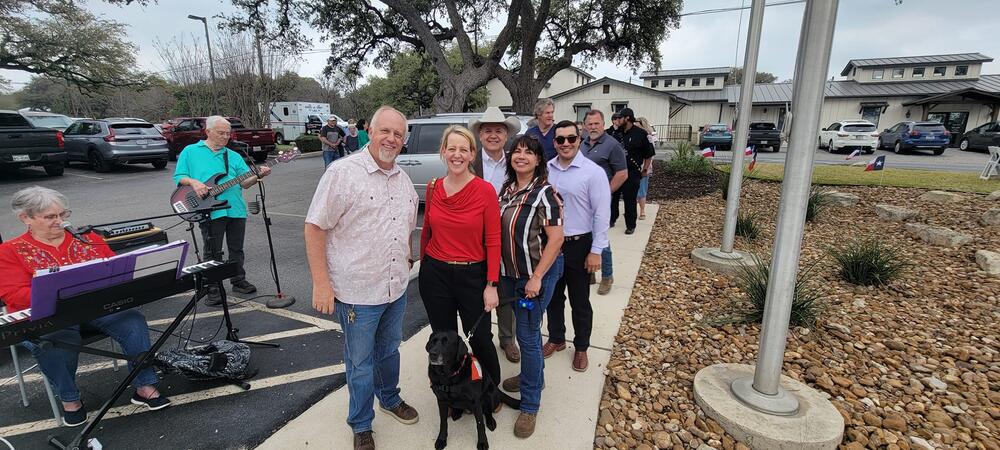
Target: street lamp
(211, 64)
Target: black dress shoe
(214, 297)
(629, 230)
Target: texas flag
(876, 164)
(753, 162)
(749, 151)
(853, 154)
(708, 152)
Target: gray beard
(386, 156)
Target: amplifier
(124, 230)
(123, 243)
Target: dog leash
(472, 330)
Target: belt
(576, 237)
(462, 263)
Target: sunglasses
(563, 139)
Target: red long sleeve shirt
(22, 256)
(463, 227)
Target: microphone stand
(280, 299)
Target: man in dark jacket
(639, 154)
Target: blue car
(906, 136)
(717, 135)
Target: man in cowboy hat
(493, 130)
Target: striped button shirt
(524, 214)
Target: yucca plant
(687, 162)
(868, 262)
(806, 299)
(818, 200)
(746, 226)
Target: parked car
(188, 130)
(718, 135)
(905, 136)
(23, 144)
(985, 135)
(764, 135)
(849, 135)
(45, 119)
(107, 142)
(421, 159)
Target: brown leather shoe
(549, 348)
(525, 425)
(498, 407)
(605, 285)
(404, 413)
(580, 361)
(512, 384)
(364, 441)
(512, 353)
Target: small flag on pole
(708, 152)
(749, 151)
(753, 162)
(853, 154)
(876, 164)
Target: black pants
(447, 289)
(577, 279)
(233, 230)
(629, 191)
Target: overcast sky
(865, 29)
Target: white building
(610, 95)
(562, 81)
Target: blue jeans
(128, 328)
(329, 157)
(606, 269)
(529, 334)
(371, 356)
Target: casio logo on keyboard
(116, 305)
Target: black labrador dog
(460, 385)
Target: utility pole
(211, 63)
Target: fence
(667, 133)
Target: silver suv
(421, 158)
(104, 143)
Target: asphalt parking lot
(214, 415)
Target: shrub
(806, 300)
(868, 262)
(818, 199)
(687, 162)
(746, 226)
(308, 143)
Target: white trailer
(290, 119)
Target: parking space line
(287, 214)
(315, 321)
(206, 315)
(82, 175)
(191, 397)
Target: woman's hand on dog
(323, 299)
(532, 287)
(490, 298)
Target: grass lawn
(856, 176)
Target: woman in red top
(460, 248)
(45, 245)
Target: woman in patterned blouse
(531, 236)
(45, 245)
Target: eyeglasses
(563, 139)
(63, 215)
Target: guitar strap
(225, 160)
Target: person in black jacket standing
(639, 154)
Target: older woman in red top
(460, 248)
(45, 245)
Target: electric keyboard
(99, 303)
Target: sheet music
(154, 259)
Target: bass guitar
(186, 200)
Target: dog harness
(476, 373)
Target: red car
(183, 131)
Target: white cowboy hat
(494, 115)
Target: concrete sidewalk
(570, 400)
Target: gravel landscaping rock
(937, 322)
(842, 199)
(940, 236)
(988, 261)
(991, 217)
(894, 213)
(942, 197)
(995, 195)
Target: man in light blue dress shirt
(586, 196)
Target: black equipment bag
(219, 360)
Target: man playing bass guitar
(198, 163)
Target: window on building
(682, 82)
(581, 111)
(918, 72)
(696, 82)
(898, 73)
(667, 83)
(606, 89)
(710, 81)
(618, 106)
(961, 71)
(871, 114)
(654, 83)
(939, 71)
(877, 74)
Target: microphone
(73, 231)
